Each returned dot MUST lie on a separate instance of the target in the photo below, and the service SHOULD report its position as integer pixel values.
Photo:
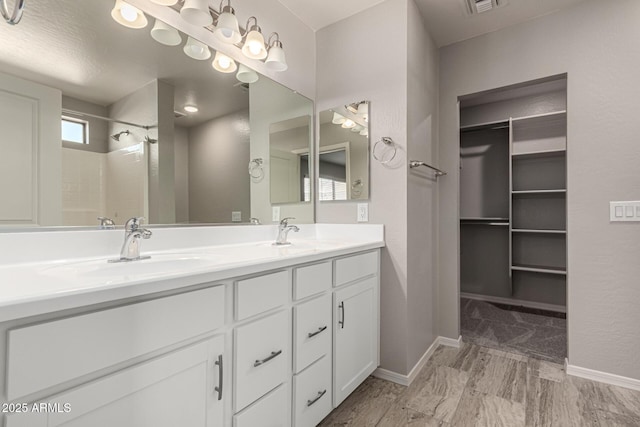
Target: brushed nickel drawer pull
(318, 397)
(341, 322)
(220, 379)
(313, 334)
(273, 355)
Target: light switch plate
(624, 211)
(275, 213)
(363, 212)
(236, 216)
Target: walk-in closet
(513, 227)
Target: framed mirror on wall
(343, 154)
(132, 122)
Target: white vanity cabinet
(276, 348)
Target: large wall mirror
(100, 120)
(343, 172)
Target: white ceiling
(447, 20)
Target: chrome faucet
(106, 223)
(283, 230)
(133, 233)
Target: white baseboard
(603, 377)
(406, 380)
(512, 301)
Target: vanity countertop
(48, 285)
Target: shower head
(119, 134)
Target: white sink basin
(157, 265)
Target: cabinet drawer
(356, 267)
(262, 357)
(312, 279)
(260, 294)
(311, 318)
(51, 353)
(273, 410)
(312, 393)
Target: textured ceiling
(87, 55)
(318, 14)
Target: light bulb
(190, 108)
(223, 63)
(128, 12)
(348, 124)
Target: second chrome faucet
(133, 234)
(283, 231)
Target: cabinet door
(356, 336)
(182, 388)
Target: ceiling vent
(475, 7)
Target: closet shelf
(485, 125)
(539, 231)
(484, 219)
(540, 153)
(557, 191)
(553, 114)
(491, 223)
(540, 269)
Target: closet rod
(418, 163)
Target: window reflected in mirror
(343, 172)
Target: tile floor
(534, 335)
(485, 387)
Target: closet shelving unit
(513, 208)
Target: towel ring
(256, 170)
(14, 17)
(389, 143)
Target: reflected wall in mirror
(343, 172)
(126, 125)
(289, 160)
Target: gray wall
(218, 178)
(181, 169)
(602, 57)
(347, 73)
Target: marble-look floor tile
(435, 392)
(546, 370)
(461, 358)
(400, 416)
(609, 419)
(609, 398)
(500, 376)
(366, 405)
(482, 410)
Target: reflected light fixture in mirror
(276, 59)
(348, 124)
(223, 63)
(196, 49)
(227, 28)
(165, 34)
(127, 15)
(196, 12)
(338, 119)
(246, 75)
(165, 2)
(253, 46)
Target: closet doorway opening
(513, 219)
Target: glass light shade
(338, 119)
(348, 124)
(363, 111)
(276, 59)
(254, 45)
(357, 128)
(129, 16)
(165, 2)
(223, 63)
(165, 34)
(364, 132)
(196, 12)
(227, 28)
(246, 75)
(196, 49)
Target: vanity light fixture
(338, 119)
(223, 63)
(246, 74)
(227, 28)
(129, 16)
(348, 124)
(363, 110)
(357, 128)
(253, 46)
(165, 34)
(196, 49)
(165, 2)
(196, 12)
(276, 59)
(190, 108)
(364, 132)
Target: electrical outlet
(363, 212)
(275, 213)
(236, 216)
